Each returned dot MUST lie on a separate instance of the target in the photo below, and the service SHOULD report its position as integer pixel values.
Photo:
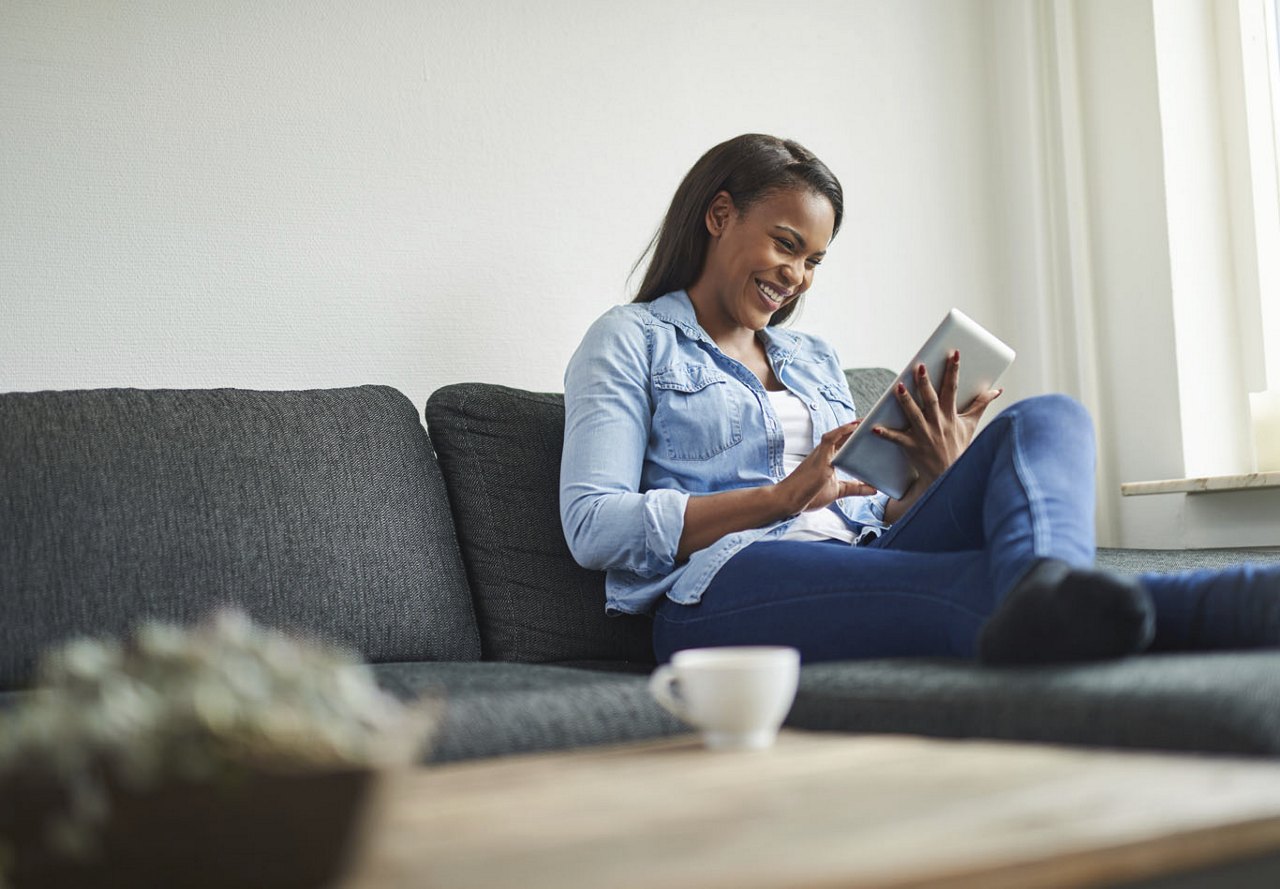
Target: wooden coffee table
(826, 810)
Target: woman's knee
(1054, 404)
(1054, 413)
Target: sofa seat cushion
(494, 709)
(1210, 702)
(1227, 702)
(319, 511)
(1224, 703)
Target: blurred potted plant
(223, 755)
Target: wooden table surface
(817, 810)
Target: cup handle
(664, 686)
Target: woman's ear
(719, 212)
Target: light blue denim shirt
(655, 412)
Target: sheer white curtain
(1135, 153)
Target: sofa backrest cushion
(319, 511)
(867, 384)
(499, 449)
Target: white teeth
(769, 292)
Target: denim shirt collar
(675, 308)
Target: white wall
(300, 194)
(303, 194)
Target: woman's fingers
(835, 438)
(928, 395)
(950, 383)
(897, 436)
(856, 489)
(915, 419)
(981, 403)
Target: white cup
(737, 696)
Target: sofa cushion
(1213, 702)
(1137, 561)
(494, 709)
(867, 384)
(499, 450)
(317, 511)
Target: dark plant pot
(259, 829)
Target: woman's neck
(733, 338)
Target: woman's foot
(1058, 613)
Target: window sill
(1203, 485)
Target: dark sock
(1058, 613)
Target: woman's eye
(785, 244)
(814, 263)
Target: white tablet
(983, 358)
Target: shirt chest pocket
(838, 403)
(697, 411)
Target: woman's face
(764, 259)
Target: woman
(697, 469)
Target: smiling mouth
(772, 294)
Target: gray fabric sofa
(439, 558)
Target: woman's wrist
(783, 503)
(708, 517)
(894, 509)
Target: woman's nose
(793, 273)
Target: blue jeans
(1022, 491)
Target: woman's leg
(1023, 493)
(833, 601)
(1023, 490)
(1223, 608)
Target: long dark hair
(750, 168)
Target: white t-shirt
(797, 433)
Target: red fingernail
(920, 370)
(902, 390)
(956, 357)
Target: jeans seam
(1035, 504)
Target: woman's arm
(607, 522)
(895, 509)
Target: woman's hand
(814, 484)
(936, 434)
(811, 485)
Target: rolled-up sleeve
(608, 522)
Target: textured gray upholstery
(1213, 702)
(318, 511)
(867, 384)
(493, 709)
(323, 511)
(1136, 561)
(499, 450)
